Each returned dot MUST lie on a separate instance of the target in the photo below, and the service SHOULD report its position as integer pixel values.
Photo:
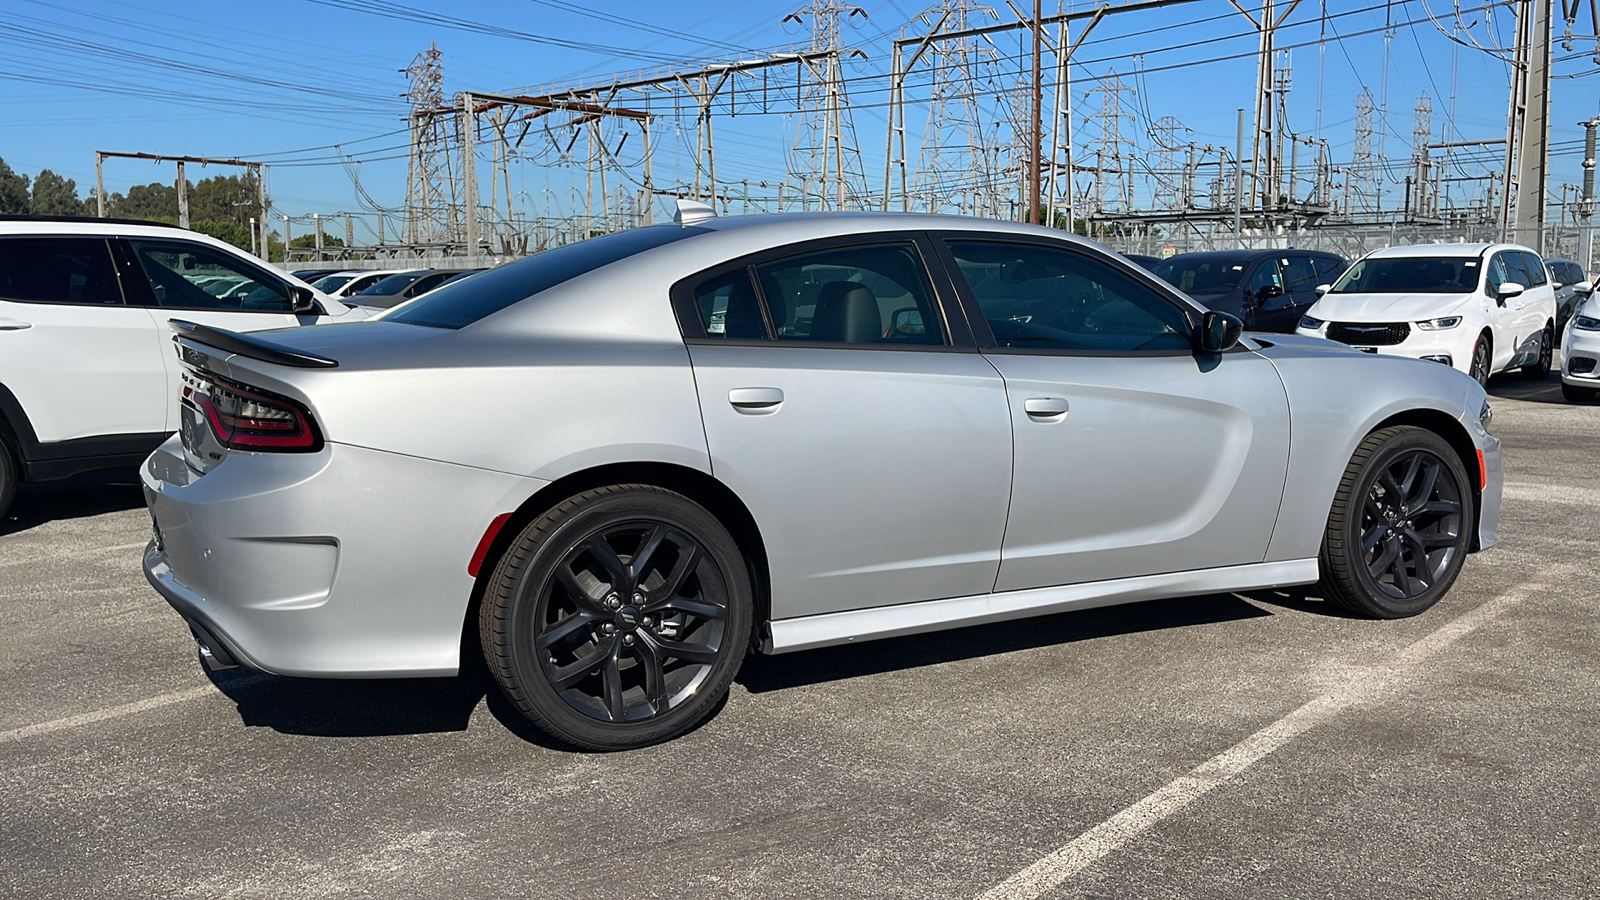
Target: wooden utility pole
(1036, 148)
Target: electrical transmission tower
(1421, 134)
(1359, 180)
(826, 156)
(953, 165)
(1112, 190)
(431, 208)
(1169, 188)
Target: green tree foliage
(55, 196)
(308, 241)
(14, 197)
(231, 232)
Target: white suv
(1482, 308)
(88, 375)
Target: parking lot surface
(1258, 745)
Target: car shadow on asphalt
(1512, 386)
(775, 673)
(80, 497)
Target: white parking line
(114, 712)
(1117, 831)
(1552, 493)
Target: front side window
(192, 276)
(876, 294)
(68, 271)
(1497, 275)
(1036, 297)
(1327, 269)
(1265, 282)
(1517, 269)
(1410, 275)
(1535, 267)
(1299, 274)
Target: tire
(1481, 360)
(607, 677)
(10, 474)
(1434, 515)
(1540, 368)
(1577, 394)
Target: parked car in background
(1481, 308)
(311, 275)
(402, 286)
(900, 424)
(1148, 262)
(1269, 289)
(88, 376)
(1580, 352)
(352, 281)
(1572, 287)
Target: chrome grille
(1371, 334)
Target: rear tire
(1577, 394)
(1400, 525)
(619, 618)
(9, 475)
(1539, 369)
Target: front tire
(9, 475)
(1539, 369)
(1479, 369)
(619, 618)
(1400, 525)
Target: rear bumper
(345, 563)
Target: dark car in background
(1149, 263)
(1269, 289)
(398, 288)
(1573, 286)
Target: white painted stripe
(1117, 831)
(1552, 493)
(114, 712)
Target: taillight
(244, 418)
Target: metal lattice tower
(826, 157)
(431, 208)
(1169, 182)
(1358, 187)
(954, 168)
(1111, 179)
(1421, 134)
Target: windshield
(394, 284)
(1411, 275)
(329, 283)
(1202, 275)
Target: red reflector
(1483, 473)
(489, 534)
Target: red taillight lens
(244, 418)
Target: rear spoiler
(248, 345)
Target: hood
(1277, 345)
(1386, 307)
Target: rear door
(1134, 454)
(869, 438)
(79, 360)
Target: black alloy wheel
(1540, 368)
(1480, 362)
(619, 618)
(1400, 525)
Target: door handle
(14, 325)
(755, 399)
(1046, 407)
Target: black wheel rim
(1480, 362)
(1411, 524)
(631, 621)
(1546, 350)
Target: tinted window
(1410, 275)
(1264, 277)
(193, 276)
(1535, 269)
(1517, 268)
(1299, 274)
(852, 295)
(1497, 276)
(330, 283)
(1043, 297)
(73, 271)
(463, 302)
(1202, 275)
(1327, 269)
(390, 284)
(729, 308)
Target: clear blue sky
(281, 82)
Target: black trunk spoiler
(248, 345)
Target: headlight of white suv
(1440, 323)
(1586, 323)
(1310, 323)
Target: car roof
(1247, 255)
(1437, 250)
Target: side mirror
(1506, 290)
(1270, 291)
(302, 302)
(1583, 287)
(1323, 289)
(1219, 331)
(908, 322)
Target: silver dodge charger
(621, 465)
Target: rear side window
(1535, 269)
(1327, 269)
(463, 302)
(69, 271)
(1298, 274)
(729, 308)
(852, 295)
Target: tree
(232, 232)
(55, 196)
(14, 197)
(153, 202)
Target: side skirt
(806, 632)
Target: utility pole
(183, 197)
(469, 172)
(1586, 203)
(1036, 150)
(259, 170)
(1238, 184)
(1528, 127)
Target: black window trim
(140, 294)
(111, 257)
(945, 300)
(985, 337)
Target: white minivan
(1482, 308)
(88, 375)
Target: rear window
(393, 284)
(460, 303)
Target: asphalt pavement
(1238, 746)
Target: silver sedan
(620, 465)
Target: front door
(873, 452)
(1134, 454)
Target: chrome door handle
(14, 325)
(755, 399)
(1046, 407)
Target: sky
(315, 88)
